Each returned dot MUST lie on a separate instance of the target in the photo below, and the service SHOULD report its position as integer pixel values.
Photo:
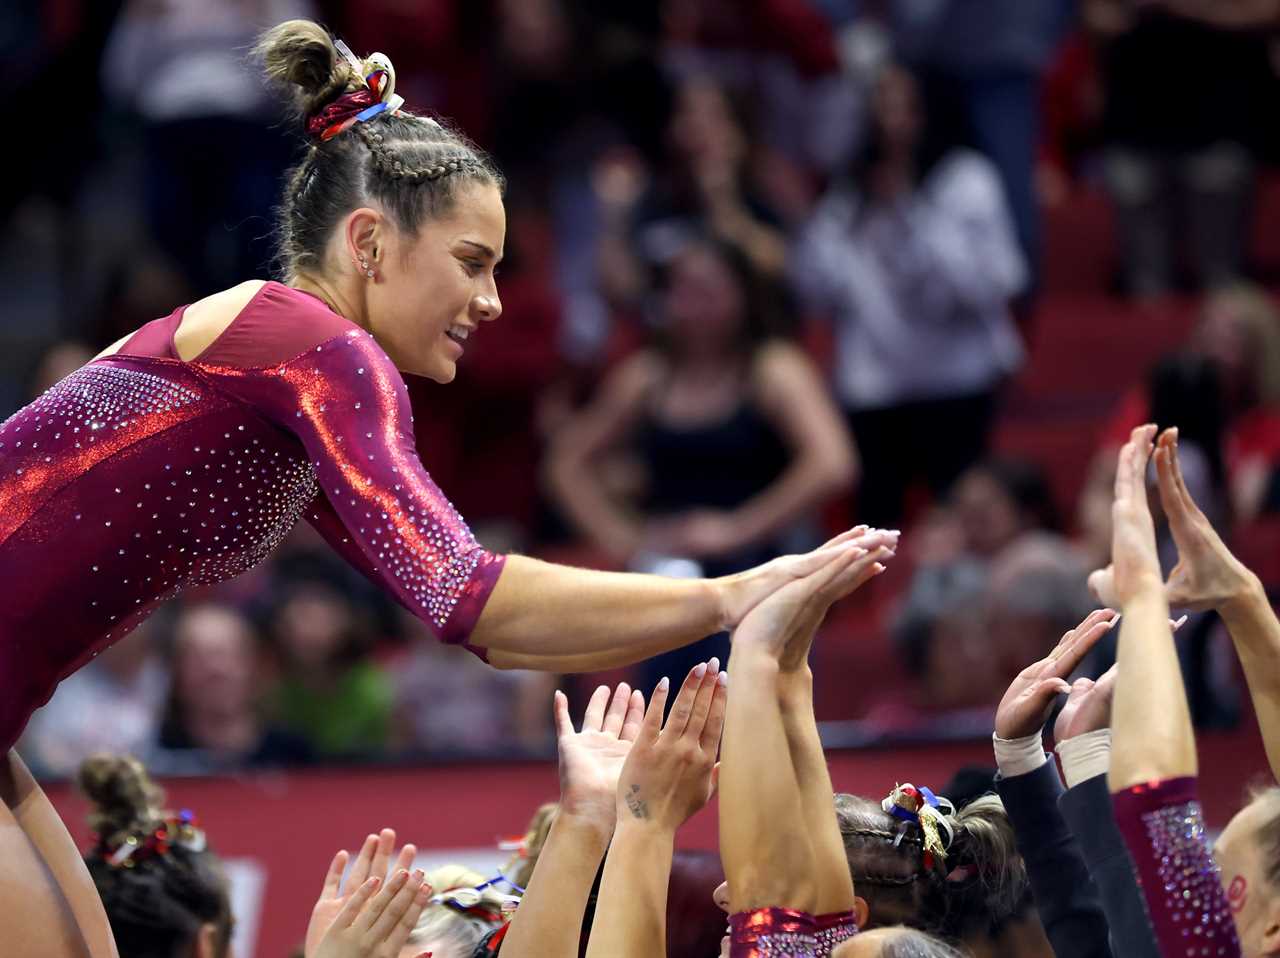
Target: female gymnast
(184, 453)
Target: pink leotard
(141, 474)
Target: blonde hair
(1256, 311)
(453, 932)
(519, 868)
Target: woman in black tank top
(738, 439)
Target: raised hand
(783, 624)
(1207, 574)
(1088, 707)
(1135, 564)
(591, 758)
(1029, 699)
(671, 771)
(372, 862)
(377, 925)
(741, 593)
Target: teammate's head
(397, 218)
(163, 890)
(1248, 852)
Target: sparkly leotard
(1164, 829)
(141, 474)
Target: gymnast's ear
(861, 912)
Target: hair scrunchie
(376, 96)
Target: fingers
(333, 879)
(634, 720)
(1106, 683)
(1175, 470)
(1131, 472)
(1175, 506)
(382, 852)
(682, 710)
(593, 720)
(1084, 638)
(560, 708)
(617, 713)
(405, 858)
(714, 727)
(364, 861)
(653, 717)
(373, 909)
(846, 536)
(389, 923)
(702, 701)
(356, 903)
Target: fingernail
(1179, 622)
(723, 679)
(1114, 622)
(664, 683)
(376, 881)
(419, 874)
(700, 670)
(714, 664)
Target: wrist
(795, 689)
(646, 827)
(1085, 756)
(1241, 602)
(587, 824)
(1018, 756)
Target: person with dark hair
(735, 433)
(185, 452)
(162, 886)
(915, 258)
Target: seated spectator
(448, 703)
(215, 715)
(915, 258)
(330, 693)
(128, 682)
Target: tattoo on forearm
(638, 806)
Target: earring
(364, 265)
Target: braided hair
(157, 903)
(981, 884)
(410, 166)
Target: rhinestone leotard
(1164, 829)
(141, 474)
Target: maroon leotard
(141, 474)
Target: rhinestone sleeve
(347, 404)
(1164, 829)
(772, 933)
(832, 929)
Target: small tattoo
(638, 807)
(1237, 894)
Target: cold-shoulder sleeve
(346, 403)
(1164, 829)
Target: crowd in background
(771, 265)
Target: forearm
(1255, 633)
(548, 923)
(541, 609)
(631, 912)
(1151, 724)
(835, 892)
(765, 847)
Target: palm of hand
(590, 765)
(322, 917)
(1085, 711)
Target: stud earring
(364, 265)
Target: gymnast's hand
(372, 862)
(741, 593)
(591, 759)
(377, 919)
(1029, 698)
(671, 772)
(1088, 707)
(782, 626)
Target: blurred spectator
(214, 719)
(330, 691)
(113, 704)
(449, 703)
(214, 146)
(916, 259)
(983, 61)
(734, 431)
(1186, 86)
(703, 189)
(61, 360)
(991, 504)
